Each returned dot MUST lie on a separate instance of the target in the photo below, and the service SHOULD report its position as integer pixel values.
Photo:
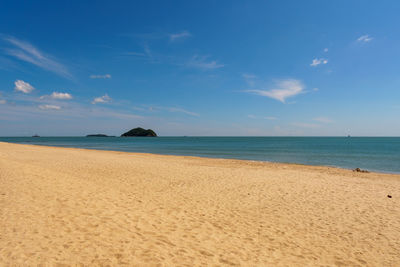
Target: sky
(200, 68)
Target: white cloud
(318, 61)
(177, 36)
(286, 88)
(27, 52)
(56, 95)
(2, 101)
(365, 38)
(105, 76)
(323, 120)
(102, 99)
(251, 116)
(53, 107)
(315, 89)
(201, 62)
(326, 50)
(23, 87)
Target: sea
(381, 154)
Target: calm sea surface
(371, 153)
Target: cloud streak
(177, 36)
(173, 109)
(181, 110)
(202, 62)
(49, 107)
(285, 89)
(105, 76)
(27, 52)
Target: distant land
(139, 132)
(99, 135)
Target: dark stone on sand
(360, 170)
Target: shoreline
(95, 207)
(216, 158)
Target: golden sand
(70, 206)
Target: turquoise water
(371, 153)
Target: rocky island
(139, 132)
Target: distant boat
(36, 135)
(348, 136)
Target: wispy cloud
(177, 36)
(147, 50)
(51, 107)
(251, 116)
(249, 78)
(323, 120)
(3, 101)
(104, 76)
(23, 87)
(172, 109)
(318, 61)
(326, 50)
(285, 89)
(102, 99)
(202, 62)
(27, 52)
(365, 38)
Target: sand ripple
(73, 206)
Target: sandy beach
(75, 206)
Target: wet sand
(76, 206)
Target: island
(99, 135)
(139, 132)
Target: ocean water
(372, 153)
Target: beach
(78, 206)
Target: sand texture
(75, 206)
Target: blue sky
(200, 67)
